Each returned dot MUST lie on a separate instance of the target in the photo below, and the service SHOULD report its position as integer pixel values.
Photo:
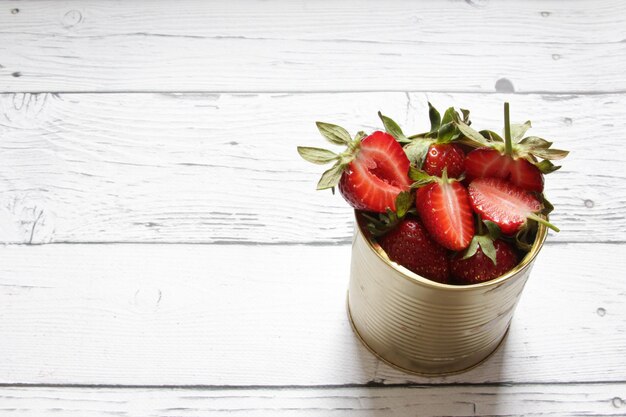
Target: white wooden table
(166, 253)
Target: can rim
(542, 233)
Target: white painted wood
(398, 20)
(224, 168)
(139, 314)
(321, 46)
(531, 400)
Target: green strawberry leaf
(435, 118)
(550, 153)
(471, 249)
(547, 167)
(524, 239)
(491, 136)
(447, 133)
(333, 133)
(331, 177)
(317, 155)
(393, 128)
(466, 114)
(486, 244)
(416, 151)
(404, 203)
(449, 116)
(493, 229)
(472, 137)
(547, 206)
(535, 142)
(519, 130)
(420, 177)
(360, 135)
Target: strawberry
(526, 175)
(505, 204)
(444, 207)
(486, 162)
(444, 155)
(410, 246)
(479, 267)
(514, 159)
(370, 173)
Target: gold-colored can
(425, 327)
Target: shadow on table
(389, 391)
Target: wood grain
(212, 168)
(231, 315)
(472, 46)
(425, 401)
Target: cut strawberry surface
(444, 207)
(370, 173)
(505, 204)
(373, 180)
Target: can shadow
(390, 391)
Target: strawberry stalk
(508, 142)
(543, 221)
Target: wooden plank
(349, 20)
(297, 46)
(213, 168)
(426, 401)
(231, 315)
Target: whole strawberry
(479, 267)
(410, 246)
(446, 156)
(370, 173)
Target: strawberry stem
(508, 145)
(543, 221)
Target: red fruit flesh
(444, 155)
(503, 203)
(526, 175)
(445, 209)
(485, 162)
(410, 246)
(377, 175)
(479, 268)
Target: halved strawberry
(514, 159)
(410, 246)
(373, 180)
(505, 204)
(370, 173)
(444, 207)
(442, 156)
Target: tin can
(425, 327)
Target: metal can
(425, 327)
